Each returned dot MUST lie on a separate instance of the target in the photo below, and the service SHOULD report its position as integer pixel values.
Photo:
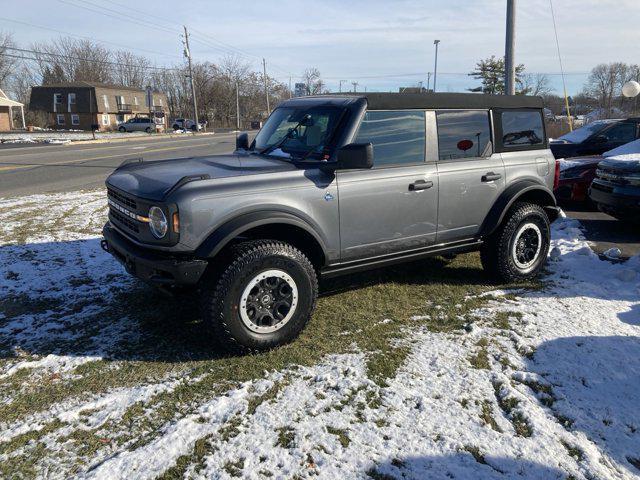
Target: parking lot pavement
(604, 232)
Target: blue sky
(380, 44)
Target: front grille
(125, 221)
(122, 199)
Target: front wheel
(148, 129)
(263, 298)
(518, 250)
(122, 129)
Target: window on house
(106, 120)
(463, 134)
(75, 119)
(57, 98)
(398, 137)
(521, 128)
(135, 100)
(72, 99)
(60, 119)
(105, 100)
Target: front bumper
(611, 200)
(152, 266)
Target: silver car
(334, 185)
(138, 124)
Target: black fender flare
(231, 229)
(509, 196)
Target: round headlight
(158, 222)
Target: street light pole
(435, 68)
(509, 51)
(187, 53)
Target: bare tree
(604, 81)
(7, 64)
(537, 84)
(312, 81)
(131, 70)
(68, 59)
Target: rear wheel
(148, 129)
(263, 298)
(122, 129)
(518, 249)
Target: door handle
(490, 177)
(420, 185)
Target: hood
(622, 164)
(153, 180)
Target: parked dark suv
(616, 188)
(596, 138)
(334, 185)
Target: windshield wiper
(305, 118)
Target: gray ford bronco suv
(336, 184)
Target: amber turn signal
(176, 222)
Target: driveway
(604, 232)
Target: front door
(471, 176)
(393, 206)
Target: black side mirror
(242, 141)
(355, 156)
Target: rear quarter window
(520, 130)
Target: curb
(138, 138)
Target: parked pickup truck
(337, 184)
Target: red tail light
(556, 177)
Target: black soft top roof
(402, 101)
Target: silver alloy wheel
(268, 301)
(526, 246)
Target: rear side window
(463, 134)
(622, 132)
(398, 137)
(522, 128)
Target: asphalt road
(54, 168)
(604, 232)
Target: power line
(85, 37)
(90, 60)
(564, 84)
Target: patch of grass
(231, 428)
(573, 451)
(475, 453)
(508, 406)
(543, 391)
(271, 394)
(201, 448)
(234, 468)
(342, 435)
(376, 475)
(481, 359)
(486, 415)
(286, 437)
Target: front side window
(624, 132)
(398, 137)
(463, 134)
(522, 128)
(299, 132)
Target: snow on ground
(64, 136)
(543, 384)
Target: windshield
(310, 139)
(579, 135)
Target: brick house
(6, 112)
(78, 105)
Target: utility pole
(509, 51)
(237, 106)
(435, 68)
(187, 53)
(340, 87)
(428, 80)
(355, 85)
(290, 93)
(266, 88)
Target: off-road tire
(498, 254)
(221, 294)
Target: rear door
(471, 175)
(393, 206)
